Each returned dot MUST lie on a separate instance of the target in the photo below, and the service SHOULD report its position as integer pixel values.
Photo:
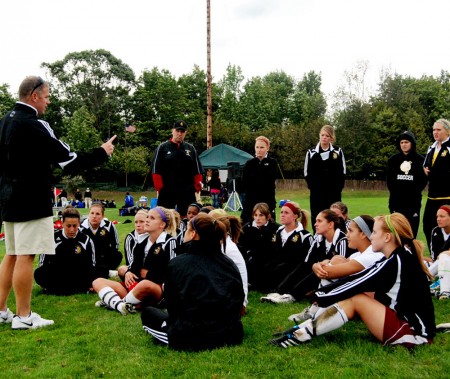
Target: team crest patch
(188, 152)
(444, 153)
(77, 249)
(103, 232)
(335, 155)
(274, 238)
(295, 239)
(157, 250)
(406, 167)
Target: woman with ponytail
(203, 293)
(401, 311)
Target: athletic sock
(111, 298)
(329, 319)
(433, 268)
(131, 299)
(444, 272)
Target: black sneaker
(285, 341)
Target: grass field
(89, 342)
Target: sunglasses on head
(37, 85)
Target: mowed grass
(89, 342)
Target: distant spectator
(129, 200)
(215, 185)
(63, 197)
(88, 198)
(78, 195)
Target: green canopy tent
(220, 155)
(229, 161)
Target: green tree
(308, 101)
(7, 101)
(81, 134)
(97, 80)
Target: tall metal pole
(208, 78)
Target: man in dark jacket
(176, 171)
(28, 151)
(406, 180)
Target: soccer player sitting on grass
(358, 238)
(144, 279)
(72, 269)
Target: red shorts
(398, 332)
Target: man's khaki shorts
(30, 237)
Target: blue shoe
(435, 288)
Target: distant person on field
(215, 186)
(129, 201)
(406, 180)
(88, 198)
(63, 197)
(78, 195)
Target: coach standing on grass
(176, 171)
(28, 150)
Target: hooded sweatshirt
(405, 177)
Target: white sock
(433, 268)
(131, 299)
(329, 319)
(111, 298)
(444, 272)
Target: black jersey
(131, 240)
(106, 241)
(154, 257)
(439, 242)
(71, 269)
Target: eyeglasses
(37, 85)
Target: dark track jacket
(204, 298)
(28, 151)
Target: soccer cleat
(282, 299)
(444, 295)
(304, 315)
(129, 308)
(435, 287)
(101, 304)
(268, 298)
(285, 341)
(33, 321)
(6, 316)
(443, 328)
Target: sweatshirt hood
(409, 136)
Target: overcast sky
(410, 37)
